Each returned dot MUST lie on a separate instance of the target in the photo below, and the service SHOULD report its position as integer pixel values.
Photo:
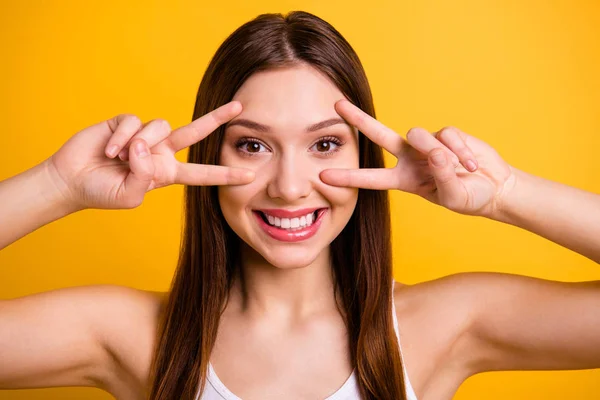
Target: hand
(453, 183)
(88, 175)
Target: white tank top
(216, 390)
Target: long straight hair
(360, 255)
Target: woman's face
(288, 132)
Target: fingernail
(140, 150)
(471, 166)
(439, 159)
(122, 154)
(112, 150)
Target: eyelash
(245, 140)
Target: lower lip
(285, 235)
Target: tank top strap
(394, 317)
(410, 393)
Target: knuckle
(133, 119)
(161, 123)
(122, 117)
(450, 129)
(166, 124)
(156, 121)
(447, 132)
(415, 130)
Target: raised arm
(563, 214)
(84, 172)
(30, 200)
(464, 174)
(81, 336)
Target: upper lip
(281, 213)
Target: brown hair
(360, 255)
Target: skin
(483, 321)
(285, 302)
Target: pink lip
(281, 213)
(285, 235)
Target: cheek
(344, 198)
(233, 199)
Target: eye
(249, 146)
(327, 145)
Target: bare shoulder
(97, 335)
(458, 325)
(128, 331)
(434, 319)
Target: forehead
(291, 97)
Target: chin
(286, 257)
(291, 261)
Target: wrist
(54, 189)
(507, 203)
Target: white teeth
(291, 223)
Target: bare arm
(563, 214)
(51, 339)
(524, 323)
(96, 336)
(30, 200)
(81, 175)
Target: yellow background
(522, 76)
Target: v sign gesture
(449, 168)
(88, 174)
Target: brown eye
(323, 146)
(252, 147)
(327, 145)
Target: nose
(290, 179)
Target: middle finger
(373, 129)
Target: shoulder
(455, 295)
(446, 316)
(125, 323)
(449, 295)
(435, 320)
(121, 309)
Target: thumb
(142, 172)
(450, 190)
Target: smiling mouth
(291, 224)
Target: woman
(284, 285)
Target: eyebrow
(266, 129)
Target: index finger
(198, 129)
(373, 129)
(211, 175)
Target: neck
(262, 289)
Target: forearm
(563, 214)
(29, 201)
